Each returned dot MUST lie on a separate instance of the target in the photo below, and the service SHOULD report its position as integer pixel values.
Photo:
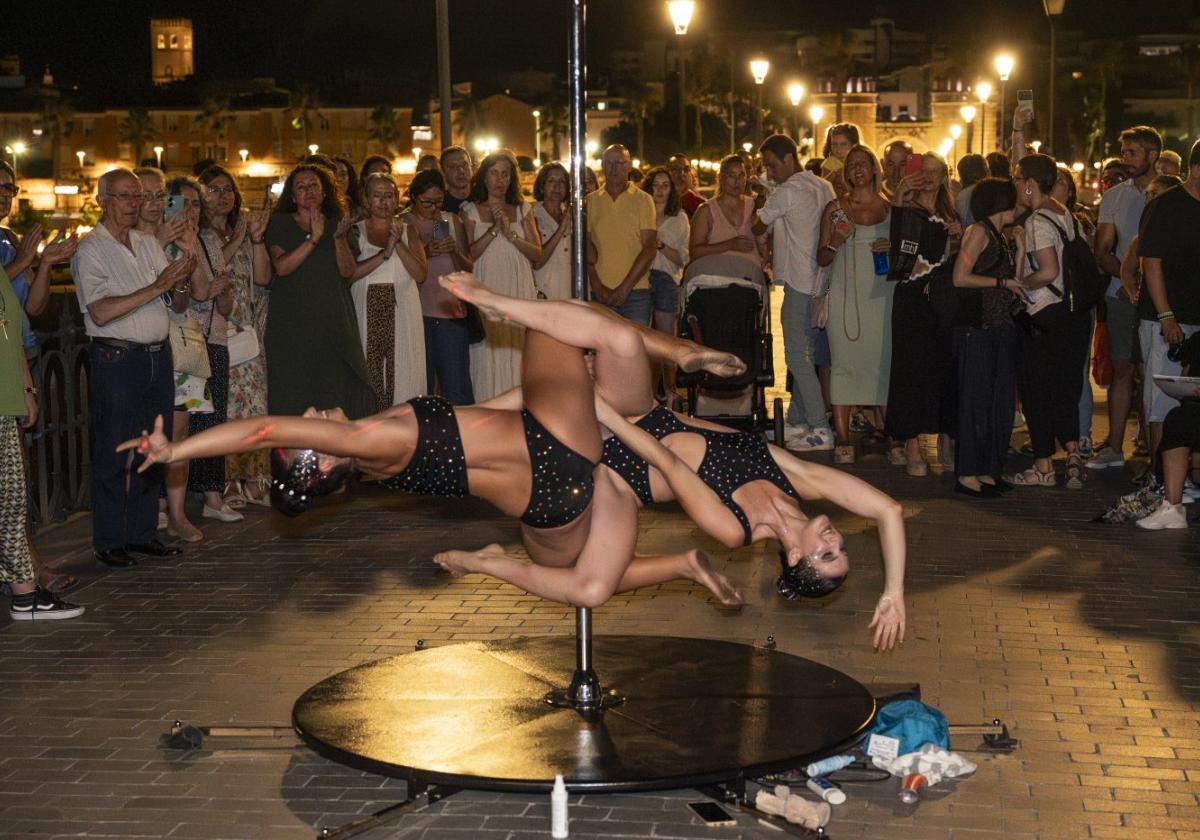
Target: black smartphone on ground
(714, 815)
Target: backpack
(1084, 284)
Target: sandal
(1075, 471)
(1033, 477)
(896, 456)
(235, 495)
(843, 455)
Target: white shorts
(1155, 403)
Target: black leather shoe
(154, 548)
(1002, 485)
(986, 491)
(116, 558)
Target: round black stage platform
(474, 715)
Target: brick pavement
(1082, 637)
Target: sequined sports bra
(438, 466)
(731, 460)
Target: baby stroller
(725, 304)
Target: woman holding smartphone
(444, 317)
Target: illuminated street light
(1004, 67)
(967, 112)
(759, 67)
(1076, 167)
(1037, 146)
(312, 148)
(681, 18)
(81, 156)
(158, 150)
(243, 154)
(795, 92)
(955, 133)
(984, 91)
(537, 134)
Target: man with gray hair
(123, 281)
(622, 232)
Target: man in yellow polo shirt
(622, 235)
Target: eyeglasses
(9, 189)
(128, 197)
(431, 202)
(213, 189)
(155, 197)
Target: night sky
(393, 40)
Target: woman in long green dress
(314, 354)
(853, 228)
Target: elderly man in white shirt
(793, 215)
(122, 279)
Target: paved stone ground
(1082, 637)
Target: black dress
(921, 396)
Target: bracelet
(831, 247)
(180, 290)
(1165, 314)
(254, 241)
(999, 283)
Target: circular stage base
(474, 715)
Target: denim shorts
(636, 307)
(663, 292)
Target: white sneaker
(1166, 516)
(818, 440)
(795, 432)
(224, 513)
(1106, 457)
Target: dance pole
(584, 692)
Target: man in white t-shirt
(1120, 212)
(793, 215)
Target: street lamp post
(442, 19)
(955, 133)
(16, 150)
(1054, 8)
(816, 113)
(81, 155)
(681, 17)
(1004, 67)
(759, 68)
(158, 150)
(537, 135)
(984, 91)
(795, 92)
(967, 112)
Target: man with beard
(1120, 212)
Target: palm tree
(704, 82)
(56, 124)
(303, 109)
(1105, 59)
(834, 58)
(385, 130)
(214, 118)
(137, 129)
(554, 126)
(470, 117)
(642, 104)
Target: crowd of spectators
(913, 304)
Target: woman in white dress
(667, 268)
(386, 300)
(504, 245)
(552, 270)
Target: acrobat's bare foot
(467, 287)
(459, 563)
(715, 362)
(701, 571)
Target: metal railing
(60, 463)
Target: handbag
(189, 351)
(243, 345)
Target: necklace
(4, 316)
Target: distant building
(170, 50)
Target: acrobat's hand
(153, 446)
(888, 622)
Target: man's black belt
(156, 347)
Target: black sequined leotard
(438, 466)
(562, 482)
(731, 460)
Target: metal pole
(1003, 100)
(1053, 68)
(983, 149)
(583, 638)
(732, 111)
(577, 78)
(758, 116)
(682, 99)
(443, 55)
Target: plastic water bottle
(828, 765)
(558, 809)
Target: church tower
(170, 49)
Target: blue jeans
(799, 351)
(637, 307)
(448, 359)
(128, 389)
